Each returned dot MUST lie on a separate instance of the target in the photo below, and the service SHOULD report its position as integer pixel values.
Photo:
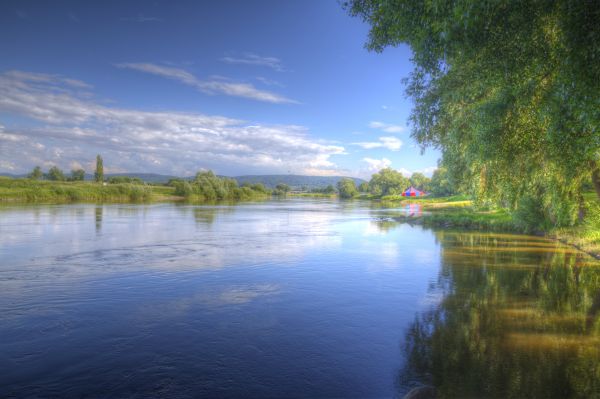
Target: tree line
(509, 91)
(389, 181)
(209, 187)
(56, 174)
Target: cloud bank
(59, 124)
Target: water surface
(291, 298)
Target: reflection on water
(519, 318)
(286, 298)
(98, 218)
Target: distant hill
(296, 182)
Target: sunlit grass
(550, 341)
(26, 190)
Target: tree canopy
(420, 181)
(54, 173)
(388, 182)
(508, 90)
(77, 175)
(99, 174)
(347, 188)
(36, 173)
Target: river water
(288, 298)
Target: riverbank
(26, 190)
(458, 212)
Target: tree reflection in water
(520, 317)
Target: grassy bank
(459, 212)
(26, 190)
(44, 191)
(312, 195)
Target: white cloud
(211, 86)
(389, 142)
(386, 127)
(69, 129)
(375, 165)
(405, 172)
(428, 171)
(255, 59)
(369, 145)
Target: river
(287, 298)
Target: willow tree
(508, 90)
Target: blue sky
(238, 87)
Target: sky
(174, 87)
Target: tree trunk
(596, 178)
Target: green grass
(496, 220)
(586, 235)
(457, 211)
(26, 190)
(312, 195)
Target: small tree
(55, 174)
(36, 173)
(77, 175)
(284, 188)
(347, 188)
(388, 181)
(363, 187)
(99, 174)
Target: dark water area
(291, 298)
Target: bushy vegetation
(388, 182)
(328, 190)
(509, 92)
(29, 190)
(347, 188)
(281, 189)
(124, 179)
(208, 187)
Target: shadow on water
(520, 317)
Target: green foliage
(208, 187)
(36, 173)
(363, 187)
(281, 189)
(347, 188)
(55, 174)
(328, 191)
(124, 179)
(420, 181)
(509, 91)
(440, 185)
(388, 182)
(296, 182)
(27, 190)
(182, 188)
(99, 173)
(77, 175)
